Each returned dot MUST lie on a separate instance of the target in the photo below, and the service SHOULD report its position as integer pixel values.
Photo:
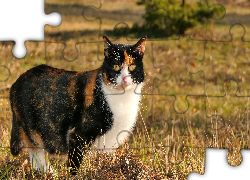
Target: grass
(171, 133)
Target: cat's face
(123, 66)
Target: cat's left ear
(139, 47)
(108, 46)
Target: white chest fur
(124, 106)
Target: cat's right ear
(108, 46)
(139, 47)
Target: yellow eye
(131, 67)
(116, 67)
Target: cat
(56, 111)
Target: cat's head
(123, 67)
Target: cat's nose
(125, 80)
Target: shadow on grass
(118, 33)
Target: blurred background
(196, 63)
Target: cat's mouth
(126, 86)
(123, 86)
(126, 82)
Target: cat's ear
(108, 46)
(139, 47)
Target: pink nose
(125, 80)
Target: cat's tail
(15, 141)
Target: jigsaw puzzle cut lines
(218, 68)
(12, 67)
(61, 34)
(5, 73)
(196, 90)
(174, 71)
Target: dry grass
(171, 135)
(150, 153)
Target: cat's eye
(131, 67)
(116, 67)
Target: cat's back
(41, 73)
(42, 77)
(40, 86)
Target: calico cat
(63, 112)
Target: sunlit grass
(165, 143)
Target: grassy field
(196, 93)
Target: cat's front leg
(76, 151)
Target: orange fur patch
(71, 88)
(79, 72)
(89, 90)
(105, 80)
(128, 59)
(54, 72)
(35, 136)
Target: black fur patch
(51, 102)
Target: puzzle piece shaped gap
(24, 32)
(218, 168)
